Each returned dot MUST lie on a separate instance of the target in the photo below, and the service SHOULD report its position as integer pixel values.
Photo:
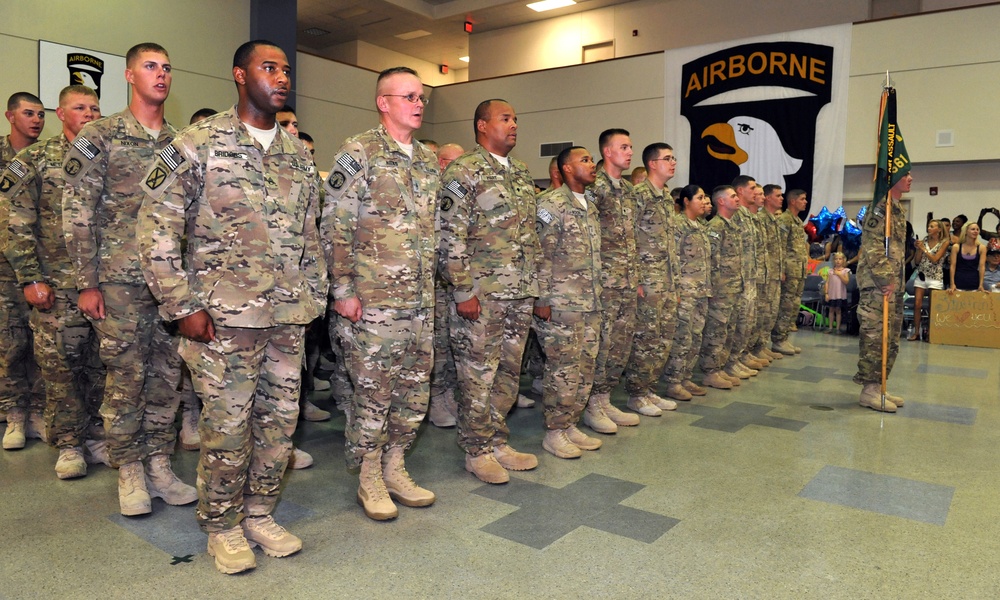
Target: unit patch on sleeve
(73, 167)
(545, 216)
(156, 177)
(336, 180)
(6, 183)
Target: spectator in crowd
(968, 260)
(929, 260)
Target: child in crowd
(835, 290)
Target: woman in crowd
(968, 260)
(929, 259)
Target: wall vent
(553, 148)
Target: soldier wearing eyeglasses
(379, 236)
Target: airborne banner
(774, 108)
(60, 65)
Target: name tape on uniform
(229, 154)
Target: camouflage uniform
(619, 276)
(253, 262)
(695, 287)
(728, 258)
(64, 340)
(656, 313)
(380, 242)
(746, 305)
(876, 270)
(569, 282)
(20, 384)
(795, 250)
(489, 249)
(104, 169)
(444, 376)
(769, 285)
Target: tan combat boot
(513, 460)
(784, 348)
(14, 438)
(581, 440)
(399, 484)
(299, 459)
(595, 418)
(731, 378)
(190, 439)
(661, 403)
(558, 444)
(871, 396)
(897, 400)
(677, 392)
(694, 388)
(272, 538)
(734, 371)
(231, 551)
(746, 368)
(486, 468)
(619, 418)
(372, 495)
(644, 406)
(443, 410)
(716, 380)
(311, 412)
(133, 498)
(70, 463)
(162, 483)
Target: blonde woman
(930, 268)
(968, 260)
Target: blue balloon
(825, 222)
(861, 213)
(850, 236)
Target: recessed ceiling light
(412, 35)
(545, 5)
(463, 58)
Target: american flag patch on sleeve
(347, 162)
(171, 157)
(86, 147)
(545, 216)
(457, 189)
(17, 168)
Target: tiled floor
(781, 488)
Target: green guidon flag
(892, 163)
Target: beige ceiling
(378, 22)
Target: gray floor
(782, 488)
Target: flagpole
(888, 224)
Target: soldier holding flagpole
(880, 263)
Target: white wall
(201, 52)
(660, 24)
(571, 104)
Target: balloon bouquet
(819, 226)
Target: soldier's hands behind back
(543, 312)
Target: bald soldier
(489, 249)
(65, 342)
(379, 234)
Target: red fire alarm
(468, 27)
(444, 69)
